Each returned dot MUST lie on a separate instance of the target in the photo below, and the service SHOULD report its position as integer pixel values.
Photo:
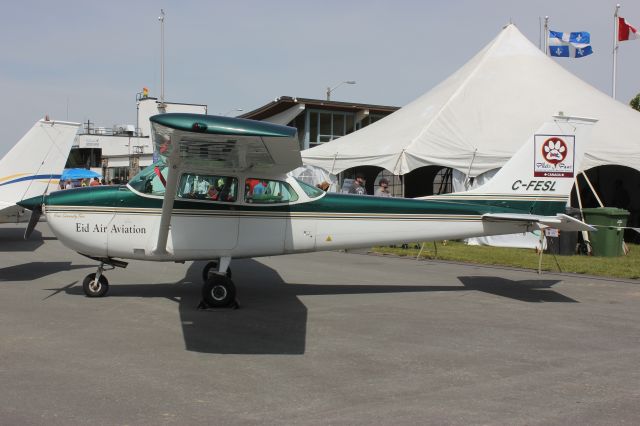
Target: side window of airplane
(208, 187)
(263, 191)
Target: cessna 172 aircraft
(220, 191)
(34, 165)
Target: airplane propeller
(33, 221)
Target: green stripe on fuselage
(122, 197)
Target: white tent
(477, 118)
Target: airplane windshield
(151, 180)
(311, 191)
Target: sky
(79, 60)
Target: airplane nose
(33, 202)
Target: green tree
(635, 102)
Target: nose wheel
(95, 286)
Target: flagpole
(539, 33)
(546, 35)
(615, 50)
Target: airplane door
(197, 233)
(205, 220)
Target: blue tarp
(73, 174)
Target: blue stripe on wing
(32, 177)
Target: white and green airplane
(220, 190)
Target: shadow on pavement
(36, 270)
(12, 239)
(534, 291)
(271, 318)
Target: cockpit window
(264, 191)
(208, 187)
(151, 180)
(311, 191)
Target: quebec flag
(570, 45)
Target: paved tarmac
(323, 338)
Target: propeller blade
(35, 216)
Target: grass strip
(621, 267)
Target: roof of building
(283, 103)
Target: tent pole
(333, 166)
(541, 251)
(585, 234)
(592, 189)
(397, 173)
(615, 51)
(575, 179)
(467, 179)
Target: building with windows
(319, 121)
(120, 151)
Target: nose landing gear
(97, 285)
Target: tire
(218, 291)
(206, 271)
(95, 289)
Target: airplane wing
(226, 144)
(559, 221)
(207, 143)
(34, 164)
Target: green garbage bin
(607, 241)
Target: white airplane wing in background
(33, 164)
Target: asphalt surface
(323, 338)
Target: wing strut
(167, 206)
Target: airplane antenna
(161, 19)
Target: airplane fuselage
(119, 222)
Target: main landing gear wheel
(93, 287)
(208, 269)
(219, 291)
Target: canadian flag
(626, 31)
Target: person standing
(358, 185)
(383, 189)
(95, 182)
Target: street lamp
(331, 89)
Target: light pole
(161, 19)
(331, 89)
